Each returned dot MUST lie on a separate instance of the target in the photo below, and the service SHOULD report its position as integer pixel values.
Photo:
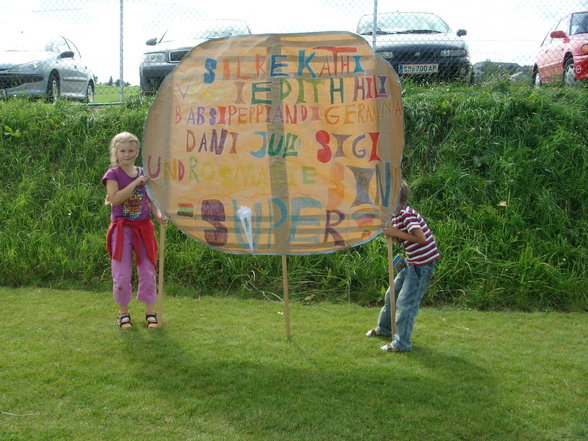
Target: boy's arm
(415, 235)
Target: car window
(21, 41)
(56, 45)
(52, 46)
(73, 47)
(403, 23)
(564, 25)
(579, 23)
(547, 41)
(63, 46)
(206, 31)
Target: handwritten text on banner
(300, 134)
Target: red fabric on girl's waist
(143, 229)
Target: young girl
(131, 229)
(412, 232)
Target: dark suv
(168, 50)
(419, 45)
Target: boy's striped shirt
(407, 220)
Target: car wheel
(147, 92)
(470, 78)
(569, 76)
(90, 94)
(536, 80)
(53, 88)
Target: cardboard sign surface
(277, 144)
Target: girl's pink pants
(122, 273)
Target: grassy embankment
(501, 176)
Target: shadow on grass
(424, 395)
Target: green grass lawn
(222, 369)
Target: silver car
(168, 50)
(49, 69)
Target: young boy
(410, 230)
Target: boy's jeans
(410, 286)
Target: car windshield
(20, 41)
(217, 29)
(579, 23)
(403, 23)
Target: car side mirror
(151, 42)
(462, 32)
(558, 34)
(66, 54)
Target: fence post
(374, 25)
(121, 55)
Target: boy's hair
(121, 138)
(403, 193)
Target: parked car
(50, 68)
(419, 44)
(169, 49)
(563, 56)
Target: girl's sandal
(152, 321)
(124, 321)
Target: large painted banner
(277, 144)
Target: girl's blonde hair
(121, 138)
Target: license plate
(418, 69)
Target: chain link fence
(117, 49)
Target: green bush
(499, 174)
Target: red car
(564, 52)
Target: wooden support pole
(391, 284)
(286, 302)
(162, 228)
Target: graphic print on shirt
(131, 208)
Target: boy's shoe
(373, 333)
(389, 348)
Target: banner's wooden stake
(286, 304)
(391, 284)
(162, 228)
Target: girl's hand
(157, 214)
(161, 218)
(142, 180)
